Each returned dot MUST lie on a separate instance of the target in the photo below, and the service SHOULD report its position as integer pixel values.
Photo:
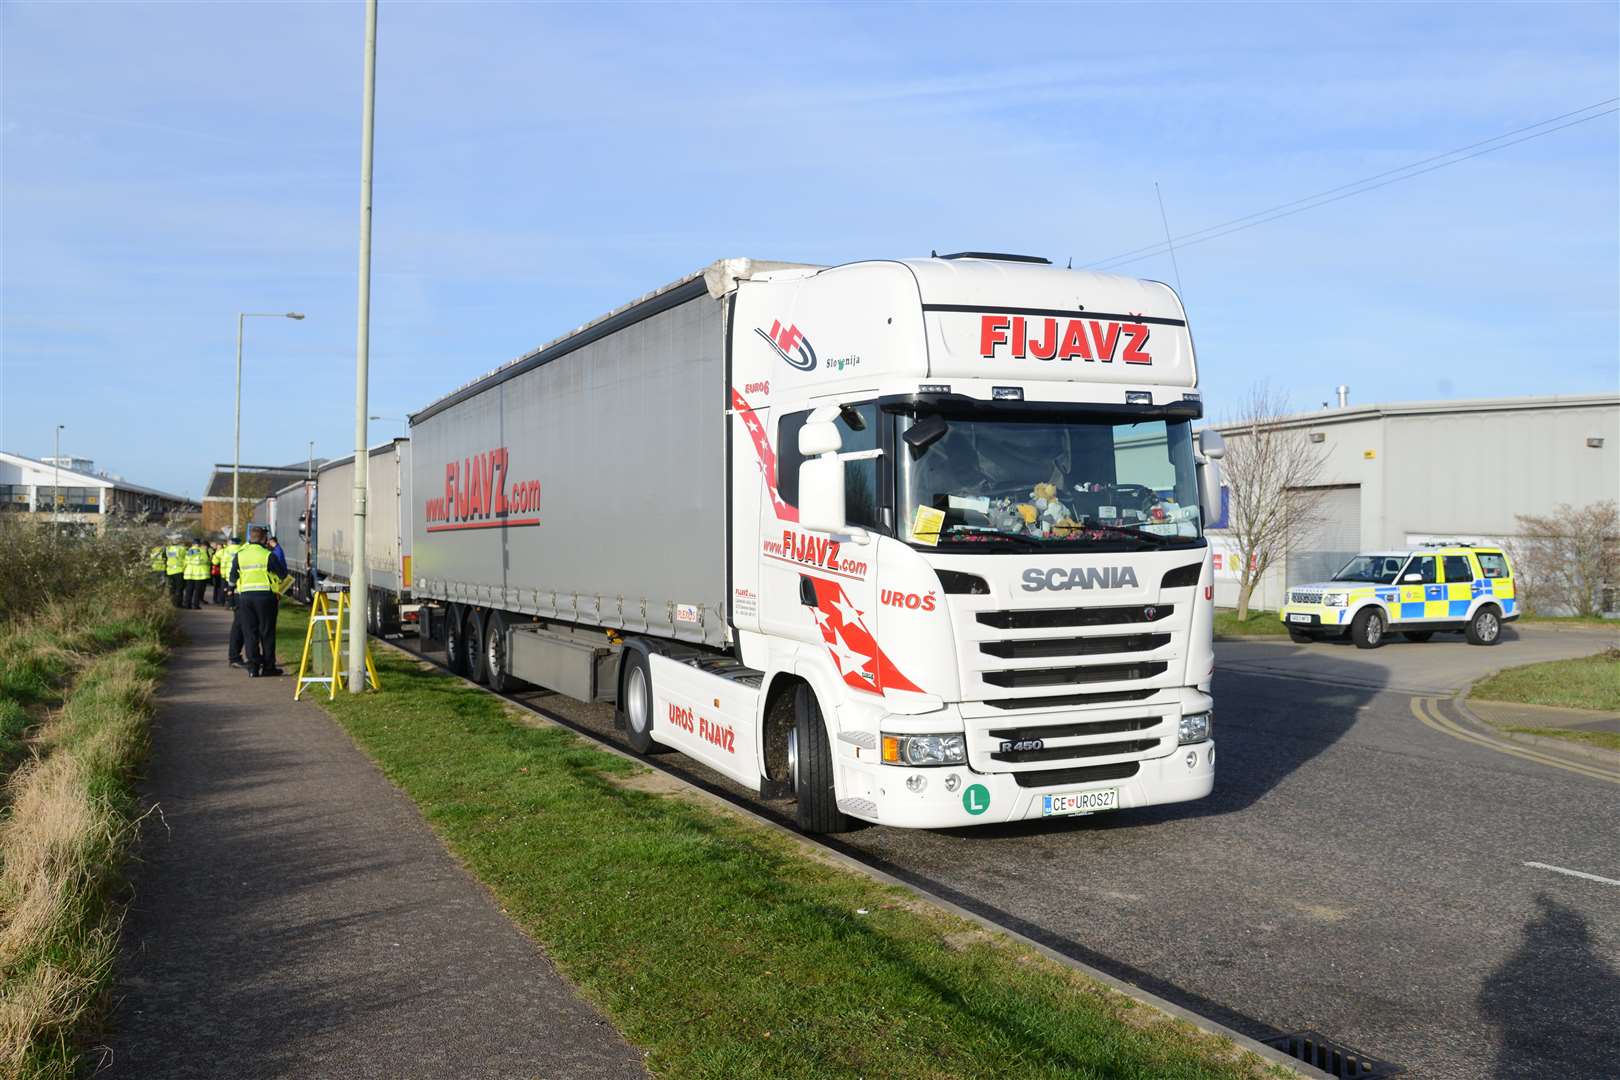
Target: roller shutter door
(1335, 537)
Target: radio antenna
(1169, 243)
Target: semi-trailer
(294, 514)
(917, 542)
(388, 532)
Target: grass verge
(76, 687)
(721, 947)
(1258, 624)
(1605, 740)
(1589, 682)
(1576, 621)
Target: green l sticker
(976, 799)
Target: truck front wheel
(810, 768)
(637, 698)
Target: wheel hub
(637, 707)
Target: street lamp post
(56, 483)
(236, 468)
(358, 593)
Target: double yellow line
(1427, 710)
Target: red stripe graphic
(766, 455)
(507, 523)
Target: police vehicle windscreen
(992, 482)
(1377, 569)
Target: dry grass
(68, 823)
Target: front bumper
(1320, 616)
(984, 798)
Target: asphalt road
(1356, 871)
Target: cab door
(1421, 587)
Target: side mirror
(821, 491)
(819, 437)
(1211, 445)
(1209, 490)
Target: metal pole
(362, 360)
(236, 468)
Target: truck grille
(1086, 774)
(1048, 618)
(1071, 753)
(1064, 676)
(1079, 646)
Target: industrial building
(257, 483)
(70, 493)
(1395, 476)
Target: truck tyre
(1418, 636)
(636, 693)
(373, 613)
(1485, 628)
(810, 768)
(474, 630)
(455, 640)
(495, 653)
(1300, 637)
(1367, 628)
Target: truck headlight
(924, 749)
(1195, 728)
(1335, 599)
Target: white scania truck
(914, 542)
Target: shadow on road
(1555, 1002)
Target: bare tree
(1272, 473)
(1563, 560)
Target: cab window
(1492, 563)
(857, 430)
(1457, 568)
(1423, 567)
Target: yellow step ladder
(324, 660)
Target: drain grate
(1335, 1059)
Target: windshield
(1378, 569)
(1089, 481)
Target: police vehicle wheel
(455, 641)
(1485, 628)
(1419, 636)
(810, 768)
(495, 653)
(1300, 637)
(476, 671)
(1367, 628)
(636, 701)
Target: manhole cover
(1335, 1059)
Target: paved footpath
(294, 916)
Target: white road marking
(1572, 873)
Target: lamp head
(295, 315)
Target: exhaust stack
(1344, 396)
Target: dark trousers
(256, 611)
(236, 636)
(194, 591)
(219, 590)
(177, 589)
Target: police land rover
(1417, 593)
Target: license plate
(1299, 618)
(1080, 802)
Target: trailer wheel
(495, 671)
(474, 630)
(810, 768)
(373, 616)
(455, 640)
(637, 696)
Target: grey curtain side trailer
(388, 532)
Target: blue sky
(167, 165)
